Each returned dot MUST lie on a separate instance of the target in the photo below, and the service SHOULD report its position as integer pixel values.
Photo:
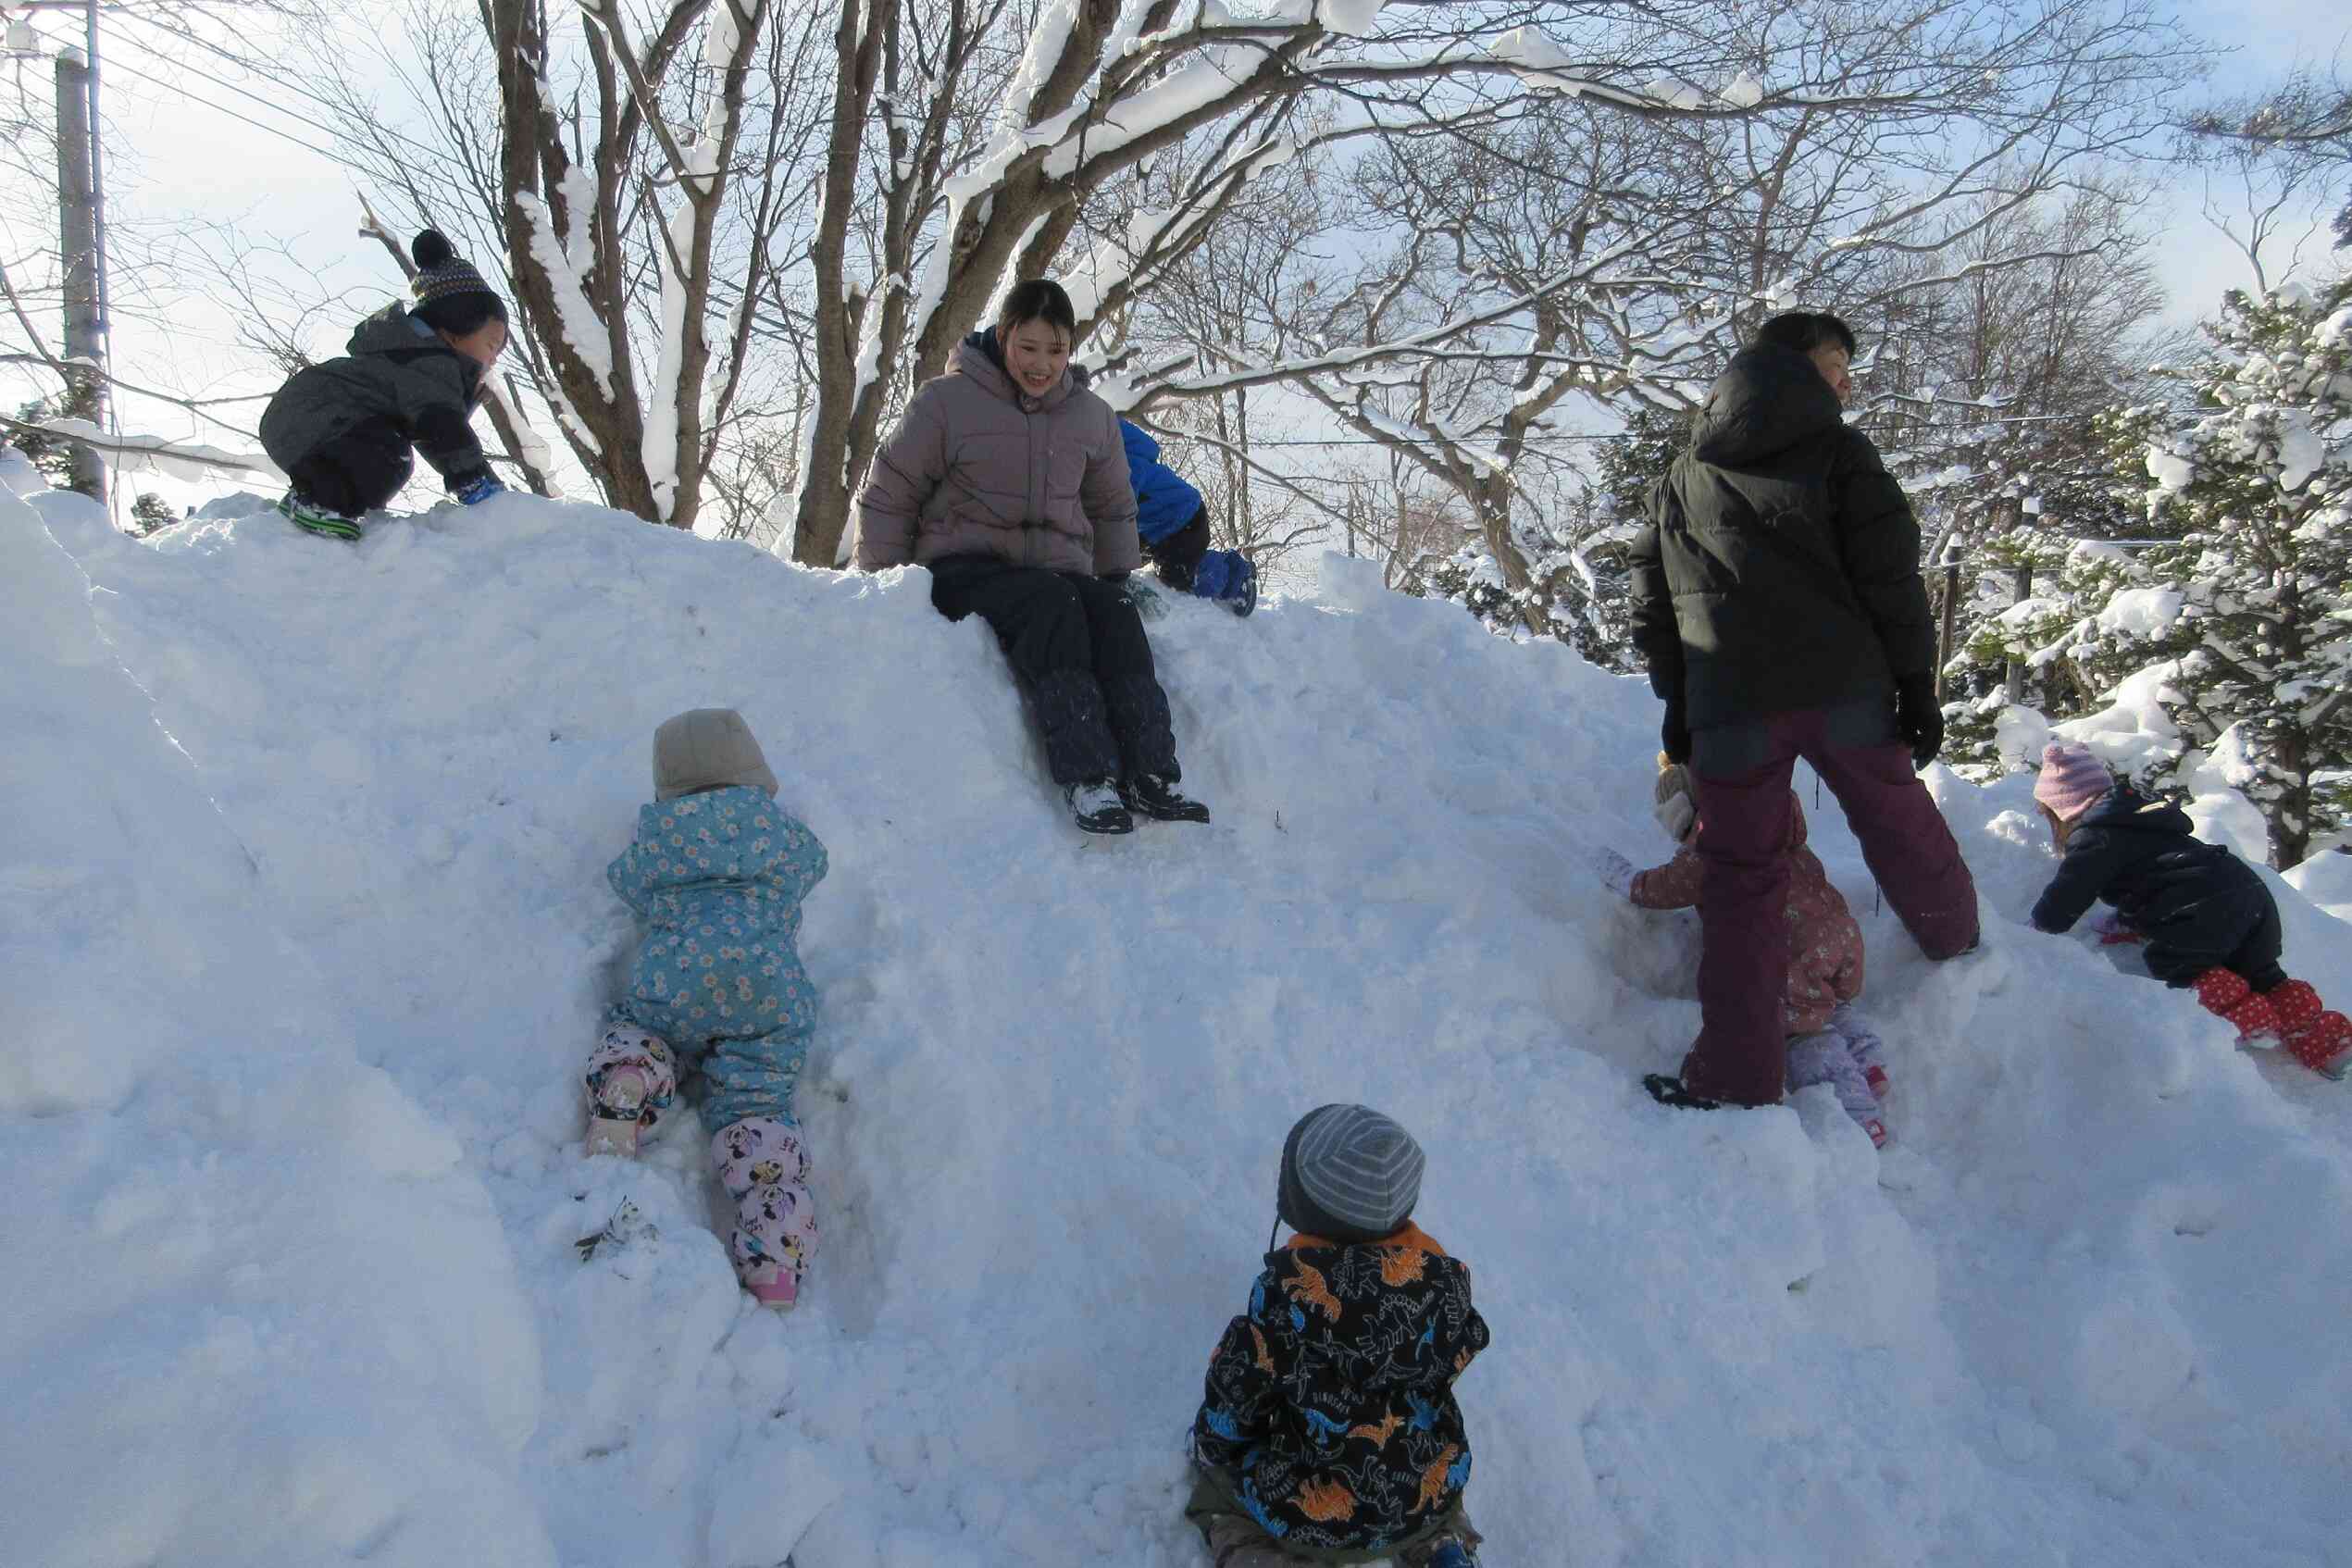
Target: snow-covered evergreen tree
(2252, 608)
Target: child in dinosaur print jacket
(1328, 1432)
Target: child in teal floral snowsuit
(717, 871)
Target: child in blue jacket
(717, 873)
(1172, 521)
(2209, 922)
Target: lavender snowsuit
(718, 878)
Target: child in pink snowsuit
(2209, 922)
(717, 873)
(1828, 1040)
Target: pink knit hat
(2072, 781)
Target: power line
(282, 135)
(243, 64)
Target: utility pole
(78, 248)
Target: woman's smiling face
(1036, 353)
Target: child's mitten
(1616, 873)
(1227, 577)
(2112, 931)
(478, 489)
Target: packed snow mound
(309, 936)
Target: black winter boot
(1669, 1090)
(1096, 806)
(312, 518)
(1156, 798)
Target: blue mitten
(478, 489)
(1227, 577)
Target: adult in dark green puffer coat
(1778, 604)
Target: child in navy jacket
(2208, 921)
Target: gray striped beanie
(1349, 1174)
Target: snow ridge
(290, 1106)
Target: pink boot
(763, 1168)
(630, 1081)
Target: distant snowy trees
(2259, 482)
(1504, 259)
(1473, 220)
(2235, 605)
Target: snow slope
(308, 933)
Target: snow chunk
(2301, 453)
(1744, 92)
(2169, 470)
(2141, 612)
(1538, 61)
(1349, 18)
(1675, 94)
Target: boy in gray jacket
(343, 429)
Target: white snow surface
(2326, 881)
(307, 935)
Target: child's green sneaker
(311, 517)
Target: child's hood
(394, 334)
(1406, 1302)
(2126, 808)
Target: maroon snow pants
(1741, 1056)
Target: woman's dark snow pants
(1078, 648)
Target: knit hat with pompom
(450, 295)
(2072, 781)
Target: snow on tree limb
(189, 461)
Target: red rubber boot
(2320, 1039)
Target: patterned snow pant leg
(1863, 1044)
(1078, 649)
(638, 1069)
(764, 1167)
(2314, 1034)
(2225, 994)
(1824, 1059)
(753, 1078)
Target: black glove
(1674, 735)
(1917, 718)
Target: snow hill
(307, 934)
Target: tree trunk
(532, 151)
